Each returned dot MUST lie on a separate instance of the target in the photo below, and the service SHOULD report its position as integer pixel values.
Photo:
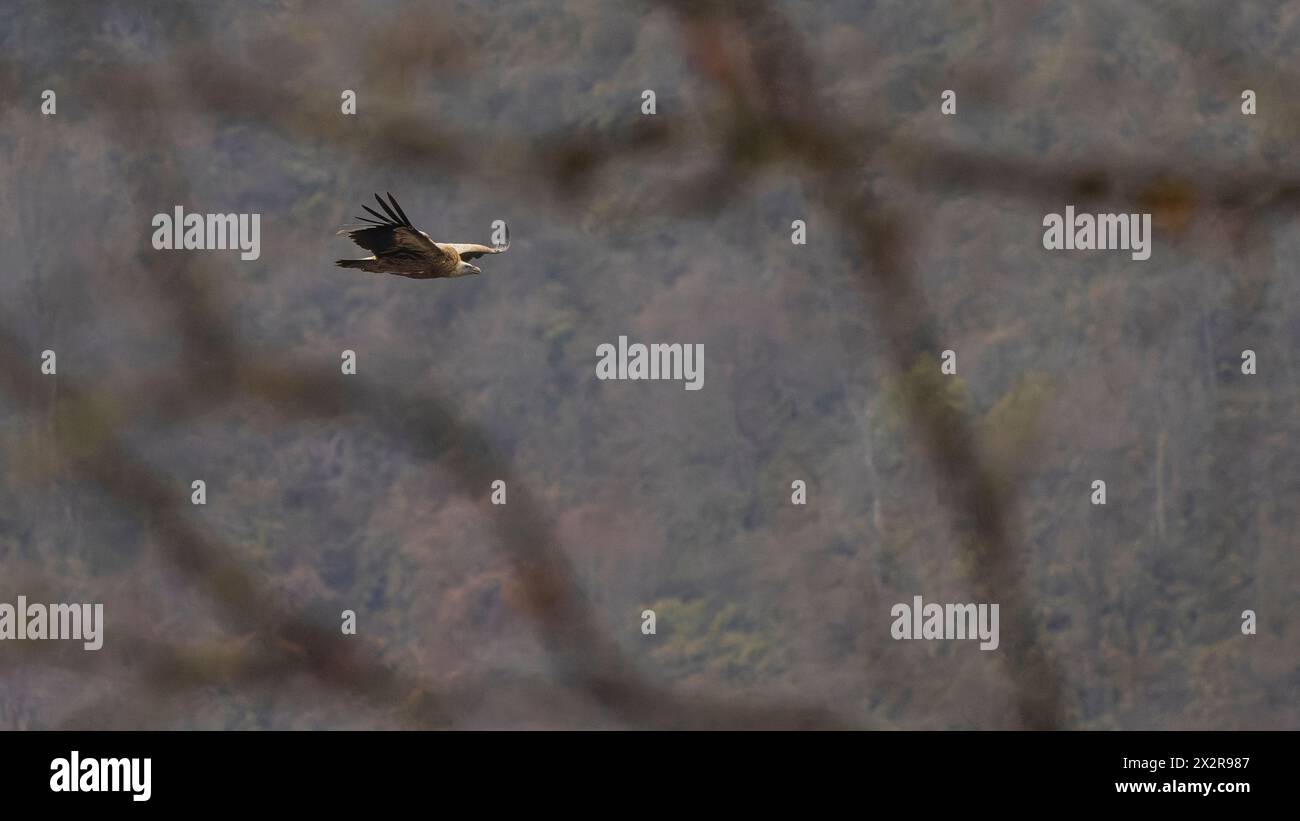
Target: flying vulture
(402, 249)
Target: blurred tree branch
(761, 70)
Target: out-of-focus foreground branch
(763, 73)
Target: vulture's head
(464, 269)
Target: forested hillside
(372, 492)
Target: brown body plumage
(400, 248)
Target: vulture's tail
(352, 263)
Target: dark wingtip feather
(387, 209)
(405, 219)
(382, 220)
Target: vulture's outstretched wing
(471, 251)
(391, 240)
(394, 235)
